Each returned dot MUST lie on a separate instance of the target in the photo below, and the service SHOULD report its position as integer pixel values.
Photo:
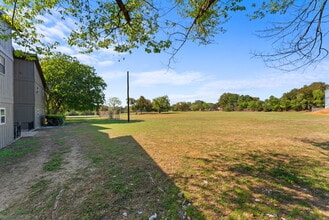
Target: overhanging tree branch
(14, 11)
(298, 43)
(124, 11)
(127, 25)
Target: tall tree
(132, 103)
(181, 106)
(143, 104)
(158, 25)
(272, 104)
(318, 98)
(197, 105)
(228, 101)
(244, 100)
(306, 97)
(71, 85)
(114, 102)
(161, 104)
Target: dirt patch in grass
(79, 173)
(322, 112)
(27, 176)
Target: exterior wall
(39, 108)
(326, 101)
(24, 92)
(29, 94)
(7, 94)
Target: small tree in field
(114, 104)
(161, 104)
(143, 104)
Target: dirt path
(17, 178)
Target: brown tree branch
(202, 10)
(298, 42)
(124, 10)
(14, 11)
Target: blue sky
(198, 73)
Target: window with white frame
(2, 116)
(2, 64)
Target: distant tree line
(162, 104)
(159, 104)
(198, 105)
(140, 105)
(301, 99)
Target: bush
(55, 120)
(72, 113)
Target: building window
(2, 116)
(2, 64)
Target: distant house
(29, 92)
(6, 90)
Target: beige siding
(39, 110)
(7, 130)
(7, 94)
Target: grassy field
(239, 165)
(205, 165)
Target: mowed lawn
(194, 165)
(238, 165)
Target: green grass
(54, 163)
(39, 187)
(226, 162)
(56, 157)
(206, 165)
(18, 150)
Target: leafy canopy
(167, 25)
(143, 104)
(161, 104)
(71, 85)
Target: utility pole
(128, 101)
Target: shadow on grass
(120, 181)
(261, 185)
(124, 182)
(127, 182)
(156, 113)
(97, 120)
(322, 145)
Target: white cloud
(163, 77)
(265, 81)
(106, 63)
(87, 59)
(52, 32)
(106, 52)
(66, 50)
(113, 75)
(54, 29)
(262, 85)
